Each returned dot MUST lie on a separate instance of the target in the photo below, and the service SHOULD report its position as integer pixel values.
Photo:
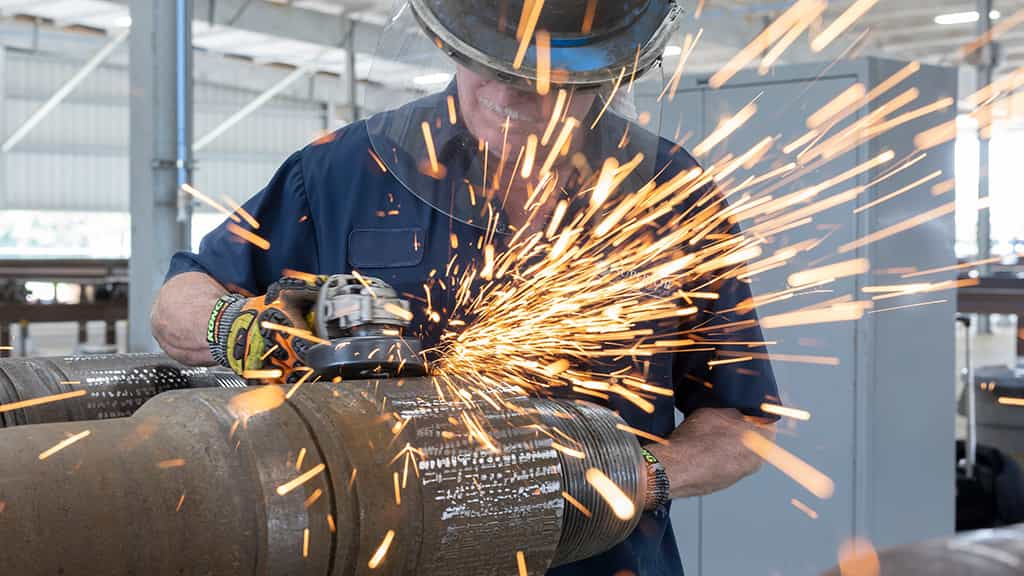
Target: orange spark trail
(903, 226)
(41, 400)
(997, 30)
(528, 27)
(790, 37)
(210, 202)
(431, 152)
(835, 313)
(543, 62)
(452, 118)
(837, 105)
(305, 543)
(257, 241)
(904, 307)
(262, 374)
(382, 550)
(844, 21)
(801, 472)
(238, 209)
(902, 190)
(725, 128)
(297, 332)
(563, 138)
(804, 508)
(556, 114)
(300, 480)
(63, 444)
(377, 159)
(173, 463)
(1007, 401)
(521, 563)
(579, 505)
(951, 268)
(621, 505)
(830, 272)
(608, 100)
(641, 433)
(793, 413)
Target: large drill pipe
(368, 477)
(114, 386)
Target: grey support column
(160, 117)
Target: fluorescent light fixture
(963, 17)
(672, 50)
(439, 78)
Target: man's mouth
(506, 112)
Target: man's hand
(270, 332)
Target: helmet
(589, 41)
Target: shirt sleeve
(743, 385)
(282, 212)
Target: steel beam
(64, 90)
(257, 102)
(157, 231)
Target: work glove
(265, 338)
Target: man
(393, 197)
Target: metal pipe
(366, 477)
(183, 115)
(65, 90)
(985, 67)
(978, 553)
(97, 387)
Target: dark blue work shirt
(331, 209)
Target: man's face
(485, 104)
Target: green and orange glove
(267, 333)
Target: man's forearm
(705, 453)
(180, 315)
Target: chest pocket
(385, 247)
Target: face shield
(515, 107)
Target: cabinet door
(753, 527)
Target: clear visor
(498, 154)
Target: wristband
(225, 310)
(657, 482)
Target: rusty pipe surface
(365, 477)
(995, 552)
(114, 386)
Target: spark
(255, 240)
(840, 24)
(837, 105)
(997, 30)
(299, 459)
(641, 433)
(268, 374)
(806, 19)
(725, 128)
(972, 264)
(563, 139)
(556, 114)
(621, 505)
(836, 313)
(543, 62)
(904, 307)
(713, 363)
(689, 43)
(398, 490)
(312, 498)
(305, 543)
(452, 118)
(1007, 401)
(588, 16)
(211, 203)
(173, 463)
(902, 226)
(801, 472)
(297, 332)
(287, 487)
(181, 502)
(527, 26)
(63, 444)
(576, 503)
(768, 36)
(398, 311)
(330, 524)
(793, 413)
(902, 190)
(804, 508)
(521, 563)
(573, 453)
(255, 401)
(382, 549)
(428, 139)
(41, 400)
(609, 98)
(830, 272)
(380, 164)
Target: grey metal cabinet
(881, 423)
